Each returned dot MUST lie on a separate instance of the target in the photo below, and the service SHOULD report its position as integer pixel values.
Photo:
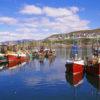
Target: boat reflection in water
(74, 80)
(94, 81)
(3, 65)
(95, 85)
(15, 64)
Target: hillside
(80, 34)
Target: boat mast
(97, 46)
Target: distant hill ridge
(81, 33)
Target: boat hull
(74, 67)
(17, 58)
(93, 69)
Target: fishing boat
(75, 64)
(75, 80)
(93, 64)
(16, 56)
(41, 57)
(50, 53)
(93, 68)
(41, 54)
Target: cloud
(26, 30)
(57, 19)
(48, 21)
(8, 20)
(57, 12)
(74, 9)
(31, 9)
(48, 11)
(7, 36)
(10, 36)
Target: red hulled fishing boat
(16, 57)
(74, 65)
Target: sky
(38, 19)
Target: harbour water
(47, 81)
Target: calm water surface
(46, 81)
